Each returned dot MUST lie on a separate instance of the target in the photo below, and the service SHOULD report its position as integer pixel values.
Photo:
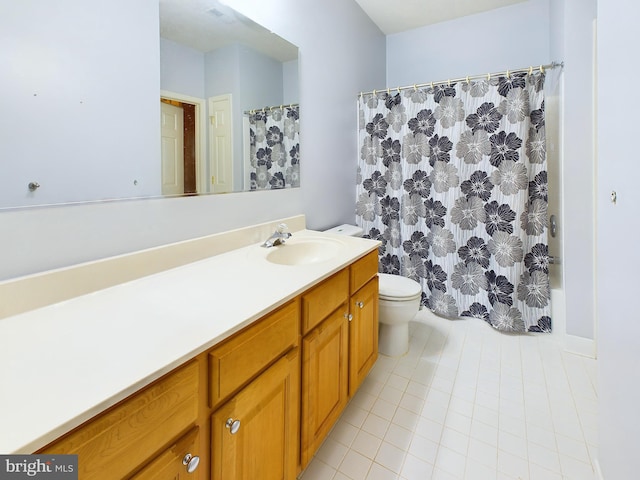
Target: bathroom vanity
(240, 374)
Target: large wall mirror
(232, 87)
(177, 97)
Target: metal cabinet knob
(233, 425)
(191, 462)
(360, 304)
(348, 316)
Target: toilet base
(393, 340)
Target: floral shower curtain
(452, 179)
(274, 148)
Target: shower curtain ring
(388, 92)
(488, 77)
(508, 75)
(467, 79)
(449, 82)
(530, 69)
(541, 69)
(374, 93)
(415, 88)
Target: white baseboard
(580, 345)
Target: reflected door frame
(202, 185)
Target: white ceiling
(394, 16)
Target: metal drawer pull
(360, 304)
(233, 425)
(191, 462)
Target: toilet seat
(397, 288)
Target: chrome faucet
(278, 237)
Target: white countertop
(60, 365)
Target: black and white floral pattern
(452, 180)
(275, 148)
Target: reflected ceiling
(206, 25)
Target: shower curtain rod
(506, 73)
(264, 109)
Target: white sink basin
(304, 251)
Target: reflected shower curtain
(452, 179)
(274, 148)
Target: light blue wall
(260, 80)
(89, 72)
(509, 37)
(290, 82)
(333, 68)
(181, 69)
(618, 230)
(222, 69)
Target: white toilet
(398, 303)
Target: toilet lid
(395, 287)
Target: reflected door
(172, 123)
(221, 161)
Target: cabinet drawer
(120, 440)
(323, 299)
(363, 270)
(243, 356)
(169, 464)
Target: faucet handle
(282, 228)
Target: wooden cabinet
(363, 333)
(325, 357)
(240, 358)
(256, 406)
(255, 435)
(323, 299)
(255, 432)
(176, 462)
(127, 436)
(341, 318)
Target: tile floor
(467, 402)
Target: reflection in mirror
(229, 94)
(81, 104)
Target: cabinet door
(363, 334)
(324, 379)
(173, 463)
(255, 435)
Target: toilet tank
(346, 229)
